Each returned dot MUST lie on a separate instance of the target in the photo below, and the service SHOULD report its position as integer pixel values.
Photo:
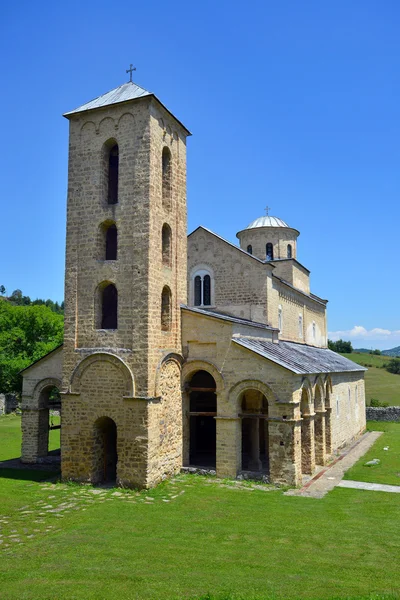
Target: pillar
(328, 430)
(307, 445)
(284, 451)
(320, 443)
(35, 434)
(229, 445)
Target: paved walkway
(374, 487)
(331, 476)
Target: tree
(340, 346)
(2, 290)
(27, 333)
(393, 366)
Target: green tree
(340, 346)
(393, 366)
(26, 334)
(2, 290)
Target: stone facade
(164, 384)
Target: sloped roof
(123, 93)
(226, 317)
(300, 358)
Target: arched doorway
(49, 423)
(105, 451)
(255, 439)
(202, 425)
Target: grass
(388, 470)
(210, 541)
(10, 436)
(379, 383)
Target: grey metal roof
(225, 317)
(123, 93)
(300, 358)
(311, 296)
(267, 221)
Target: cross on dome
(267, 209)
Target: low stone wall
(8, 403)
(391, 413)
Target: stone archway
(319, 425)
(105, 456)
(255, 433)
(202, 424)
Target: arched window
(250, 249)
(300, 326)
(111, 243)
(348, 402)
(269, 251)
(202, 292)
(166, 309)
(166, 245)
(314, 330)
(109, 307)
(166, 178)
(289, 251)
(337, 405)
(112, 176)
(280, 319)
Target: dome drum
(269, 238)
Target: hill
(379, 383)
(392, 352)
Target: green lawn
(10, 436)
(192, 536)
(379, 383)
(388, 471)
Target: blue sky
(291, 104)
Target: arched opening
(319, 427)
(107, 306)
(307, 435)
(166, 245)
(202, 424)
(112, 174)
(289, 251)
(202, 292)
(280, 318)
(250, 249)
(166, 309)
(105, 457)
(269, 250)
(300, 326)
(255, 438)
(49, 423)
(166, 178)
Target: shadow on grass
(28, 474)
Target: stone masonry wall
(279, 237)
(389, 413)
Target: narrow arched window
(300, 326)
(280, 319)
(289, 251)
(202, 288)
(250, 249)
(109, 307)
(348, 401)
(113, 167)
(314, 330)
(166, 245)
(166, 309)
(111, 243)
(269, 251)
(166, 178)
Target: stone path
(331, 476)
(374, 487)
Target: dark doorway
(202, 413)
(105, 451)
(255, 439)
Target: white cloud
(358, 333)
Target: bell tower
(125, 280)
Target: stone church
(180, 351)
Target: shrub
(375, 403)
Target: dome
(267, 221)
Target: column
(320, 443)
(229, 445)
(284, 451)
(307, 445)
